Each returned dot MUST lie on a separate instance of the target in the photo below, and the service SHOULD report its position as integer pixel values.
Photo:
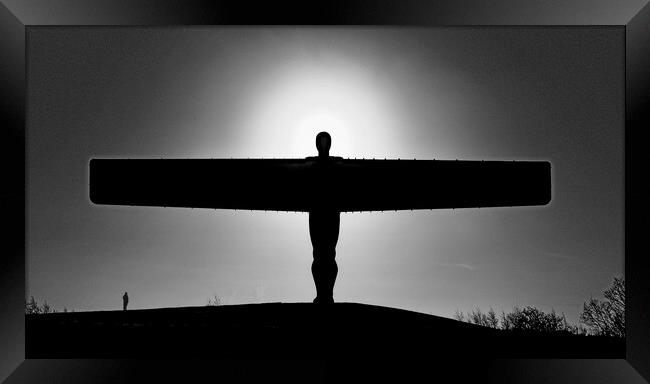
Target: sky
(498, 93)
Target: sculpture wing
(256, 184)
(371, 185)
(310, 184)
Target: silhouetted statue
(324, 233)
(125, 300)
(324, 186)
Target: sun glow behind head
(304, 99)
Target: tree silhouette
(527, 319)
(607, 317)
(492, 320)
(600, 317)
(532, 319)
(478, 317)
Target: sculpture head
(323, 144)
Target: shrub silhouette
(214, 301)
(32, 307)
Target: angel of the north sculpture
(323, 185)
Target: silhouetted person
(125, 300)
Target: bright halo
(302, 101)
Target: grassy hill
(290, 330)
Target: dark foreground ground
(290, 330)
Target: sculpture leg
(324, 233)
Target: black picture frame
(16, 17)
